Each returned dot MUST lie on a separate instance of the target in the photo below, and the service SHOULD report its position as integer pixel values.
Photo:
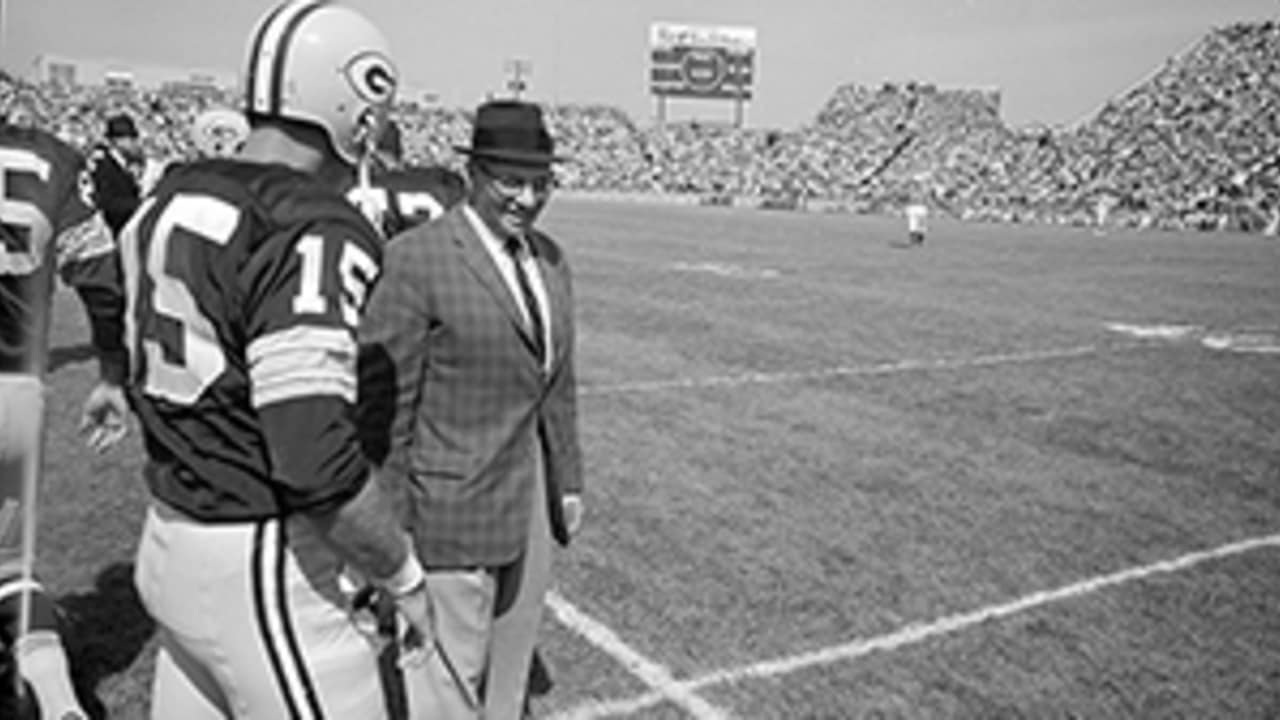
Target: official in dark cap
(469, 396)
(114, 167)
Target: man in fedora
(115, 165)
(468, 399)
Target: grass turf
(798, 434)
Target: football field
(1019, 472)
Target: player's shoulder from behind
(41, 143)
(276, 195)
(450, 183)
(424, 175)
(429, 238)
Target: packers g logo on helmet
(372, 78)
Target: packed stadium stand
(1193, 146)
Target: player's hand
(573, 510)
(104, 420)
(416, 608)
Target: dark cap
(121, 126)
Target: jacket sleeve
(88, 261)
(392, 337)
(561, 410)
(304, 290)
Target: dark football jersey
(47, 224)
(408, 196)
(245, 284)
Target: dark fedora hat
(511, 131)
(121, 125)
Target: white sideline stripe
(915, 632)
(850, 370)
(649, 672)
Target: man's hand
(573, 512)
(104, 420)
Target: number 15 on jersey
(182, 277)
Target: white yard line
(889, 368)
(913, 633)
(656, 676)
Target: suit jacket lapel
(480, 262)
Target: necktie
(536, 328)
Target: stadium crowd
(1193, 146)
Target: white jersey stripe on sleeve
(302, 361)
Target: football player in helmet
(219, 132)
(23, 112)
(395, 196)
(216, 132)
(246, 278)
(47, 225)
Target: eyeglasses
(510, 184)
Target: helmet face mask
(315, 62)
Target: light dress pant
(487, 623)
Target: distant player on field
(247, 277)
(917, 213)
(47, 225)
(395, 196)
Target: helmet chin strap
(365, 195)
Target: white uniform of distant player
(1102, 213)
(917, 222)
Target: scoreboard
(701, 61)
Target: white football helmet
(317, 62)
(219, 132)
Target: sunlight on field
(932, 480)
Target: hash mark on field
(649, 672)
(848, 370)
(915, 632)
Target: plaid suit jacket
(454, 405)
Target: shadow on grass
(104, 630)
